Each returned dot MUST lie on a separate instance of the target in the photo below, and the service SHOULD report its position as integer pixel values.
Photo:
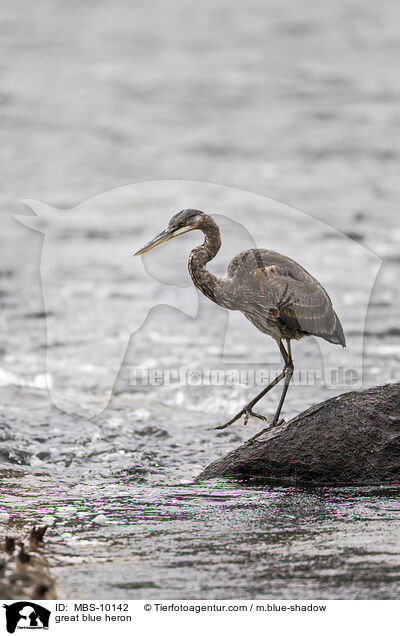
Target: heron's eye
(182, 223)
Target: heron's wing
(290, 294)
(301, 303)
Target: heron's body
(294, 303)
(274, 292)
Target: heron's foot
(269, 428)
(249, 412)
(275, 423)
(246, 411)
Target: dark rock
(350, 439)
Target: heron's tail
(337, 337)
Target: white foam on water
(40, 381)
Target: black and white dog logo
(26, 615)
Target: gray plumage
(273, 291)
(283, 299)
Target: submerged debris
(37, 533)
(24, 570)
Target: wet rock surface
(350, 439)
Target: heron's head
(182, 222)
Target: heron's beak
(163, 237)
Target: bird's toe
(254, 414)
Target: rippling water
(300, 108)
(127, 521)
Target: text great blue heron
(274, 292)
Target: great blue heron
(274, 292)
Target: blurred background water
(298, 104)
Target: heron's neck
(201, 255)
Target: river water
(298, 108)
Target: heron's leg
(288, 377)
(247, 410)
(289, 374)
